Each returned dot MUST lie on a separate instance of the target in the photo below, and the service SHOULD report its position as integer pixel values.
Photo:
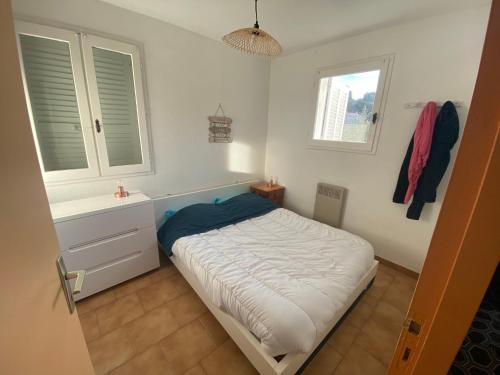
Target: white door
(38, 334)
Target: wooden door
(38, 335)
(465, 248)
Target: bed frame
(250, 345)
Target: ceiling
(296, 24)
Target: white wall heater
(329, 205)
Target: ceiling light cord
(256, 17)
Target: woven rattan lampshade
(253, 40)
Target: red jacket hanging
(422, 140)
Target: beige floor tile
(196, 370)
(360, 314)
(358, 361)
(388, 270)
(181, 284)
(398, 295)
(110, 351)
(324, 363)
(381, 283)
(378, 288)
(132, 286)
(211, 324)
(372, 296)
(150, 362)
(163, 273)
(405, 282)
(380, 334)
(186, 308)
(343, 337)
(157, 293)
(118, 313)
(187, 346)
(383, 278)
(227, 360)
(95, 301)
(151, 328)
(90, 328)
(377, 341)
(388, 317)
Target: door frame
(465, 247)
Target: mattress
(281, 275)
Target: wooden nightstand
(274, 193)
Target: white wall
(187, 76)
(436, 59)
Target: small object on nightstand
(274, 192)
(273, 180)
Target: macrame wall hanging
(219, 129)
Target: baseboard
(397, 267)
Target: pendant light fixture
(253, 40)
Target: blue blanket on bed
(202, 217)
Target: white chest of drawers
(111, 239)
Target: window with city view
(348, 105)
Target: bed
(276, 281)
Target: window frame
(95, 172)
(48, 32)
(384, 64)
(87, 42)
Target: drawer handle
(115, 262)
(79, 276)
(103, 239)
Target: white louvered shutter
(115, 87)
(58, 107)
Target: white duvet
(281, 275)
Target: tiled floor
(155, 324)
